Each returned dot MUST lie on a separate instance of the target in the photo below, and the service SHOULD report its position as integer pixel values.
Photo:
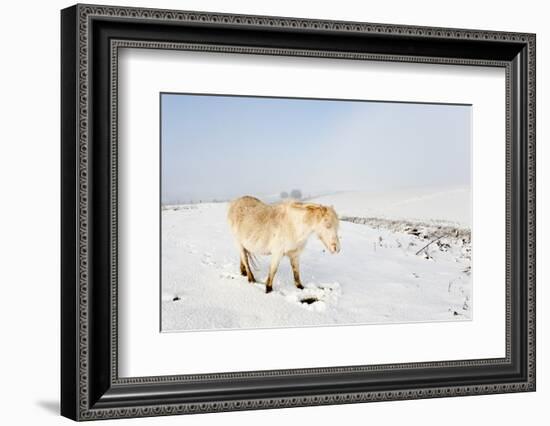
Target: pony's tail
(252, 261)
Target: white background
(29, 225)
(146, 352)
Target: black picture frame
(90, 386)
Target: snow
(378, 277)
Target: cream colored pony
(279, 230)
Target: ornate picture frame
(91, 37)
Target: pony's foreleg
(245, 266)
(294, 263)
(243, 269)
(275, 260)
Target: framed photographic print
(263, 212)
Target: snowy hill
(451, 205)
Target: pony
(279, 230)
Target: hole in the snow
(175, 299)
(309, 300)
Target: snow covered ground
(378, 277)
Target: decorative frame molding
(91, 388)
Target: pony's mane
(312, 210)
(308, 206)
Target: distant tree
(296, 194)
(284, 194)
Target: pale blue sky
(221, 147)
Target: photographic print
(259, 183)
(290, 212)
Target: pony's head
(325, 225)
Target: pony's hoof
(299, 286)
(251, 279)
(268, 290)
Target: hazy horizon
(221, 147)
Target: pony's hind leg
(295, 270)
(245, 265)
